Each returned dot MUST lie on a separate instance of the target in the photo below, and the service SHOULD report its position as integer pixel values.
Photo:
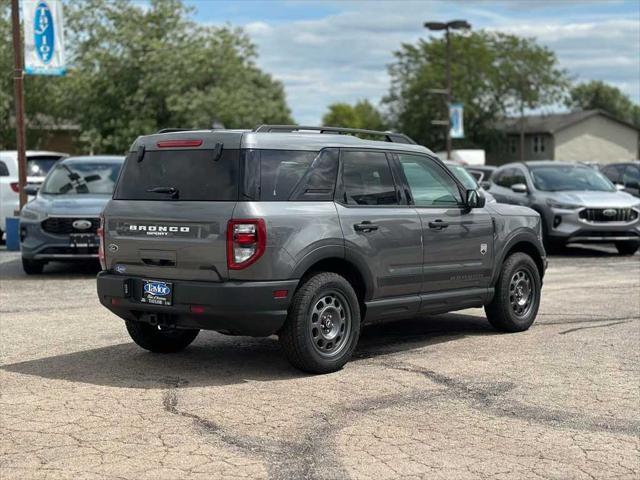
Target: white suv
(38, 165)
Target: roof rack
(388, 136)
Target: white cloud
(344, 56)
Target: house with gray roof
(581, 136)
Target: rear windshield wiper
(173, 191)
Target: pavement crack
(571, 330)
(491, 399)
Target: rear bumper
(239, 308)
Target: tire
(32, 267)
(627, 248)
(510, 311)
(323, 324)
(154, 339)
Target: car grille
(64, 225)
(609, 214)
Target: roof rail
(388, 136)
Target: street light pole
(447, 27)
(18, 81)
(448, 41)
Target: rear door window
(194, 174)
(4, 171)
(39, 166)
(367, 179)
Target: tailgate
(169, 215)
(168, 240)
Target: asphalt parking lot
(439, 397)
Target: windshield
(465, 177)
(555, 178)
(78, 178)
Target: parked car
(307, 235)
(38, 165)
(577, 203)
(625, 176)
(61, 223)
(462, 174)
(482, 173)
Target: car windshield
(82, 177)
(555, 178)
(465, 177)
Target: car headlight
(562, 205)
(29, 214)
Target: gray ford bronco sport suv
(308, 233)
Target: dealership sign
(456, 120)
(43, 37)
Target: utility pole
(447, 36)
(447, 27)
(18, 82)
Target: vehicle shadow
(12, 270)
(586, 250)
(216, 360)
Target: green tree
(493, 74)
(135, 70)
(599, 95)
(361, 115)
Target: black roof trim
(171, 130)
(388, 136)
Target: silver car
(61, 223)
(577, 203)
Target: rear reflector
(280, 293)
(115, 301)
(187, 143)
(196, 309)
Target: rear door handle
(365, 226)
(438, 224)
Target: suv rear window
(195, 174)
(39, 166)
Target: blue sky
(337, 51)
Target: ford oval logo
(158, 289)
(609, 212)
(81, 224)
(43, 32)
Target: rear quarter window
(289, 175)
(195, 174)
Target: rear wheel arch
(344, 268)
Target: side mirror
(31, 189)
(474, 199)
(519, 188)
(619, 187)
